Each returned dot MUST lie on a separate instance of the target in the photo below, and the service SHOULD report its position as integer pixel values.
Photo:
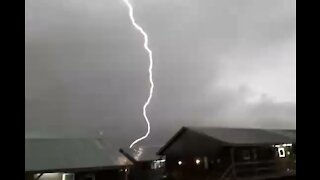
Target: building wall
(143, 171)
(250, 160)
(28, 176)
(116, 174)
(198, 166)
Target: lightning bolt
(146, 47)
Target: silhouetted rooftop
(60, 154)
(234, 136)
(247, 136)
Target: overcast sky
(216, 63)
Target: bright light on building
(198, 161)
(282, 145)
(49, 176)
(288, 169)
(67, 176)
(281, 152)
(179, 162)
(158, 164)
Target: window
(67, 176)
(255, 155)
(246, 155)
(89, 177)
(158, 164)
(281, 152)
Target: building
(73, 159)
(147, 165)
(193, 153)
(230, 153)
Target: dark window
(89, 177)
(246, 155)
(255, 155)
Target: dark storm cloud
(86, 69)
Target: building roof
(47, 155)
(291, 133)
(143, 153)
(246, 136)
(237, 136)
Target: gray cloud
(222, 63)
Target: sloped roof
(238, 136)
(291, 133)
(71, 154)
(246, 136)
(143, 153)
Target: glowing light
(160, 160)
(198, 161)
(281, 152)
(48, 175)
(179, 162)
(138, 152)
(158, 164)
(67, 176)
(146, 47)
(282, 145)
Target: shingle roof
(288, 133)
(246, 136)
(237, 136)
(60, 154)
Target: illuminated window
(48, 176)
(67, 176)
(158, 164)
(281, 152)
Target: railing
(227, 173)
(212, 175)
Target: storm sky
(216, 63)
